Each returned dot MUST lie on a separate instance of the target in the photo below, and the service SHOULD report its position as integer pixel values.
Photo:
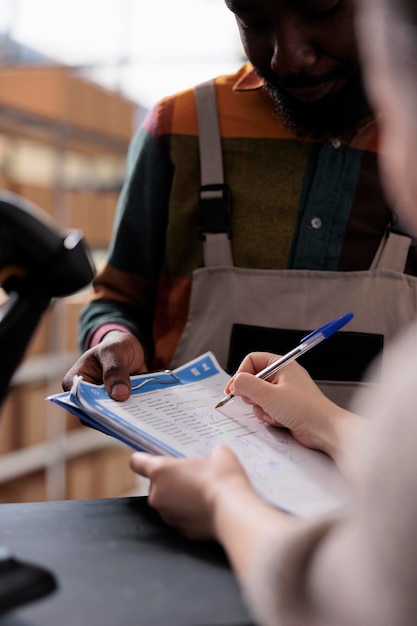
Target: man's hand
(117, 357)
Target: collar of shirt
(365, 138)
(248, 79)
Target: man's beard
(340, 115)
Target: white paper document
(173, 413)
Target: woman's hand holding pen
(294, 401)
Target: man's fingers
(118, 390)
(117, 381)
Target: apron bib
(383, 302)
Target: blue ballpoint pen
(308, 342)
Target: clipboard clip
(170, 379)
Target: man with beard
(298, 143)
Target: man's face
(305, 50)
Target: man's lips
(316, 92)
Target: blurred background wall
(76, 79)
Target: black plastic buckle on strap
(214, 212)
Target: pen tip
(223, 402)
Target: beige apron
(383, 299)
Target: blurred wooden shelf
(42, 455)
(63, 146)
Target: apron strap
(392, 252)
(215, 195)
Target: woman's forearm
(243, 523)
(340, 439)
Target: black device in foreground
(22, 582)
(37, 263)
